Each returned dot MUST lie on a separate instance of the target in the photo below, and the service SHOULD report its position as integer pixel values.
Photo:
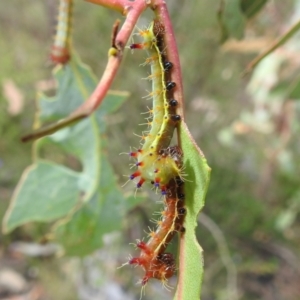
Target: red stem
(132, 10)
(118, 5)
(162, 14)
(132, 14)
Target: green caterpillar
(155, 164)
(60, 52)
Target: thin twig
(115, 33)
(273, 47)
(115, 55)
(117, 5)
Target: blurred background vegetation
(247, 128)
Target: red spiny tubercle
(135, 174)
(138, 46)
(140, 183)
(135, 154)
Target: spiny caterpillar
(159, 163)
(153, 162)
(153, 258)
(60, 52)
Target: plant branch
(272, 48)
(117, 5)
(190, 253)
(161, 11)
(115, 55)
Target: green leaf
(90, 199)
(75, 83)
(277, 43)
(110, 104)
(190, 257)
(102, 214)
(231, 20)
(45, 192)
(83, 142)
(251, 7)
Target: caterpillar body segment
(158, 162)
(60, 52)
(152, 166)
(156, 168)
(156, 262)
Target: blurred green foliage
(248, 136)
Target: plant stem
(115, 55)
(162, 14)
(272, 48)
